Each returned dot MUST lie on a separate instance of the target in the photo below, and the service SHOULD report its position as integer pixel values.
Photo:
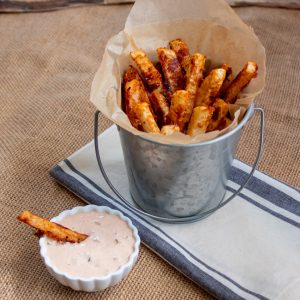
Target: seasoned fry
(163, 91)
(169, 129)
(221, 109)
(182, 52)
(224, 123)
(195, 74)
(173, 75)
(227, 69)
(241, 81)
(210, 87)
(136, 89)
(180, 109)
(134, 93)
(228, 79)
(143, 113)
(160, 107)
(130, 74)
(150, 73)
(51, 229)
(177, 93)
(200, 119)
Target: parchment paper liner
(217, 32)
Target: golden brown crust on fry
(174, 95)
(240, 82)
(182, 52)
(143, 113)
(221, 110)
(195, 74)
(160, 107)
(169, 129)
(134, 93)
(180, 109)
(150, 73)
(51, 229)
(226, 68)
(228, 79)
(172, 71)
(210, 87)
(163, 91)
(130, 74)
(200, 119)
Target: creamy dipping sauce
(109, 245)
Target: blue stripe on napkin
(266, 191)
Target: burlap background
(47, 63)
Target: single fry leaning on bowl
(174, 95)
(51, 229)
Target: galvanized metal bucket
(179, 183)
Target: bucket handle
(178, 219)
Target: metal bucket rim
(245, 119)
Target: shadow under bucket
(179, 183)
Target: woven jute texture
(47, 63)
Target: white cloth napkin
(248, 249)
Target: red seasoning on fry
(171, 68)
(173, 94)
(241, 81)
(149, 72)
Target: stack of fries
(174, 95)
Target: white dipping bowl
(91, 284)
